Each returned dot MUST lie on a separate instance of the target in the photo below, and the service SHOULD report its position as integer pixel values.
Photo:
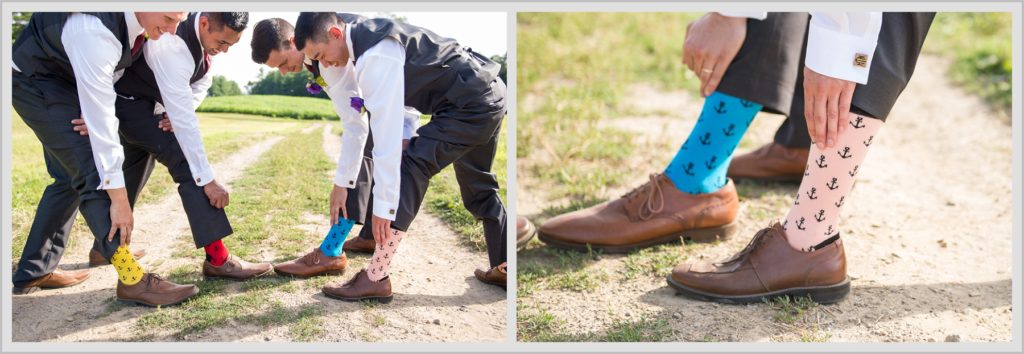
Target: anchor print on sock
(746, 104)
(812, 193)
(868, 142)
(807, 170)
(720, 109)
(797, 201)
(705, 139)
(800, 224)
(839, 204)
(688, 170)
(833, 185)
(710, 164)
(858, 123)
(829, 231)
(820, 216)
(784, 223)
(845, 153)
(821, 162)
(729, 131)
(854, 172)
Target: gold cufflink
(107, 182)
(392, 211)
(860, 60)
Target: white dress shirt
(839, 44)
(339, 81)
(380, 77)
(173, 66)
(94, 53)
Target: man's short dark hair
(270, 35)
(236, 21)
(313, 26)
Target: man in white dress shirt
(64, 65)
(174, 75)
(395, 65)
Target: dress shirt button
(392, 211)
(351, 183)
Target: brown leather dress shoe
(96, 258)
(770, 163)
(359, 245)
(768, 267)
(494, 276)
(524, 231)
(313, 264)
(652, 214)
(57, 279)
(154, 291)
(236, 269)
(361, 288)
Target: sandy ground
(927, 230)
(436, 296)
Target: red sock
(216, 253)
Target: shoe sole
(307, 276)
(826, 294)
(502, 285)
(379, 299)
(705, 235)
(254, 276)
(146, 304)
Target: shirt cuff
(839, 55)
(384, 210)
(343, 179)
(203, 178)
(757, 15)
(112, 181)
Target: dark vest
(439, 73)
(39, 51)
(140, 82)
(314, 67)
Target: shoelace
(654, 201)
(313, 255)
(751, 246)
(153, 280)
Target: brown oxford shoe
(524, 231)
(312, 264)
(652, 214)
(768, 267)
(361, 288)
(359, 245)
(770, 163)
(236, 269)
(57, 279)
(494, 276)
(154, 291)
(96, 258)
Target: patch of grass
(655, 261)
(789, 310)
(645, 330)
(558, 269)
(308, 326)
(980, 45)
(538, 325)
(271, 106)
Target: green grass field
(271, 106)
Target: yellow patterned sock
(128, 271)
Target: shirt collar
(134, 27)
(196, 20)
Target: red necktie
(138, 44)
(206, 58)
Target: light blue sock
(701, 163)
(335, 238)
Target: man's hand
(165, 124)
(338, 197)
(218, 196)
(711, 43)
(121, 218)
(79, 126)
(381, 229)
(826, 107)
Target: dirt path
(71, 314)
(437, 298)
(927, 231)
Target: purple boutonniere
(357, 104)
(315, 85)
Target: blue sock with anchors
(701, 163)
(335, 238)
